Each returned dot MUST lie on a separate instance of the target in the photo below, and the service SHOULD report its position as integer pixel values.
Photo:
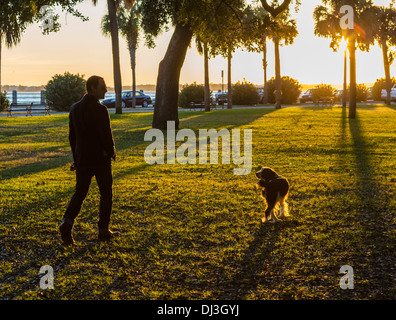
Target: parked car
(339, 94)
(306, 96)
(141, 100)
(393, 94)
(260, 91)
(370, 93)
(221, 97)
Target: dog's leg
(269, 217)
(284, 209)
(273, 217)
(269, 212)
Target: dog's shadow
(256, 259)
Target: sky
(80, 47)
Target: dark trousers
(104, 179)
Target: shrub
(378, 86)
(362, 93)
(64, 90)
(191, 93)
(322, 92)
(244, 93)
(4, 102)
(291, 90)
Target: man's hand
(73, 167)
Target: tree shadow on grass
(129, 140)
(257, 267)
(375, 218)
(125, 139)
(368, 210)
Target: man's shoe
(106, 234)
(65, 231)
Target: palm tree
(113, 6)
(386, 37)
(128, 23)
(202, 48)
(283, 28)
(286, 31)
(257, 23)
(327, 24)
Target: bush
(378, 86)
(361, 93)
(4, 102)
(322, 92)
(244, 93)
(64, 90)
(291, 90)
(191, 93)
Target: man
(92, 145)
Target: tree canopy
(16, 15)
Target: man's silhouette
(92, 145)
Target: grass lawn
(194, 231)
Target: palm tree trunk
(116, 54)
(278, 80)
(132, 53)
(265, 64)
(352, 84)
(229, 85)
(206, 77)
(167, 91)
(1, 40)
(388, 82)
(344, 91)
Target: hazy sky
(80, 47)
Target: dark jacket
(90, 134)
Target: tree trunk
(1, 41)
(278, 79)
(388, 82)
(229, 85)
(265, 64)
(132, 44)
(352, 83)
(206, 77)
(116, 54)
(344, 91)
(167, 91)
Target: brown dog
(275, 190)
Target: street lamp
(222, 80)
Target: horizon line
(154, 85)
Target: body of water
(35, 97)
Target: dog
(275, 191)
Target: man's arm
(106, 134)
(72, 136)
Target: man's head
(96, 87)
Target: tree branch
(275, 11)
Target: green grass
(194, 231)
